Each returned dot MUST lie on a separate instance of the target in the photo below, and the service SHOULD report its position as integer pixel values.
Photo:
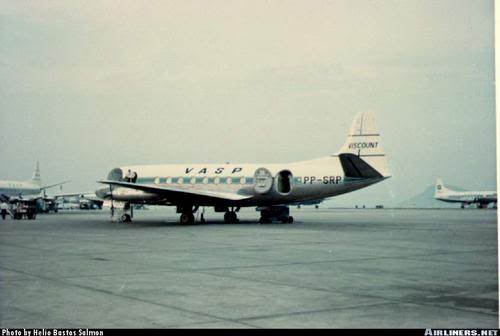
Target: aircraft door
(284, 180)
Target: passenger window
(216, 180)
(169, 180)
(193, 180)
(205, 180)
(180, 180)
(228, 181)
(243, 180)
(157, 180)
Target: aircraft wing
(179, 193)
(54, 185)
(86, 194)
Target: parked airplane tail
(362, 155)
(36, 179)
(440, 188)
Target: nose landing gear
(125, 213)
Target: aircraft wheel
(187, 218)
(290, 219)
(125, 218)
(230, 217)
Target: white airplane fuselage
(309, 180)
(19, 188)
(483, 198)
(468, 197)
(360, 162)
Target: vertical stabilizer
(36, 179)
(440, 188)
(364, 141)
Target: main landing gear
(187, 213)
(275, 213)
(230, 216)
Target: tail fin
(36, 175)
(440, 188)
(364, 142)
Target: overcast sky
(89, 85)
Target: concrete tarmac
(330, 269)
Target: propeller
(112, 204)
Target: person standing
(3, 210)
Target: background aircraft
(480, 198)
(270, 187)
(29, 189)
(86, 201)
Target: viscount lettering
(362, 145)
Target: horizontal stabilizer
(356, 167)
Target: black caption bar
(231, 332)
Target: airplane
(85, 200)
(480, 198)
(271, 188)
(25, 189)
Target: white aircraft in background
(25, 189)
(84, 200)
(270, 187)
(481, 198)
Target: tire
(125, 218)
(290, 219)
(187, 218)
(230, 217)
(284, 220)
